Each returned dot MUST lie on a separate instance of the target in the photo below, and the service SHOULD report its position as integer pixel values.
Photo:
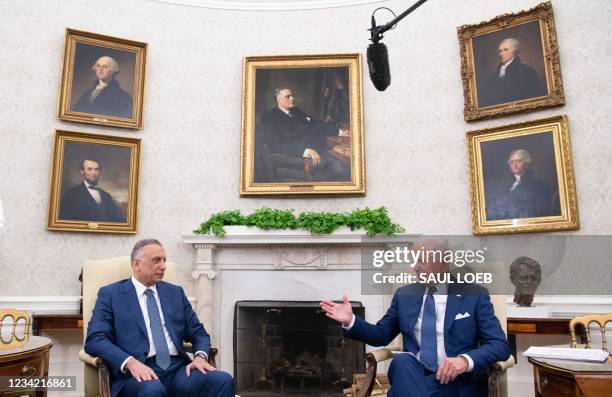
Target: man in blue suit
(450, 332)
(138, 327)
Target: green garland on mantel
(374, 221)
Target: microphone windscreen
(378, 64)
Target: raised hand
(341, 312)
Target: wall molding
(560, 306)
(269, 5)
(56, 304)
(43, 304)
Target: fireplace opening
(286, 348)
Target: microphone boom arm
(376, 32)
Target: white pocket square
(460, 316)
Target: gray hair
(522, 153)
(136, 251)
(114, 66)
(516, 46)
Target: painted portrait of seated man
(294, 140)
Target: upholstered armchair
(97, 274)
(498, 385)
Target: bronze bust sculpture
(526, 275)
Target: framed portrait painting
(94, 183)
(302, 126)
(102, 80)
(510, 64)
(522, 178)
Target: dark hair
(140, 244)
(90, 158)
(278, 89)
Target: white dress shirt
(95, 194)
(517, 182)
(94, 94)
(142, 301)
(440, 298)
(502, 70)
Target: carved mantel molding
(255, 249)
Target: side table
(30, 360)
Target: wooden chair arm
(502, 366)
(379, 355)
(90, 360)
(373, 358)
(212, 354)
(103, 374)
(495, 371)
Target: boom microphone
(378, 64)
(377, 54)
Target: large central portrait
(302, 126)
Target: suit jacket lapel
(87, 196)
(453, 302)
(412, 311)
(132, 302)
(165, 300)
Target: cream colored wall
(415, 133)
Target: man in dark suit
(512, 80)
(138, 327)
(291, 132)
(88, 202)
(523, 195)
(105, 97)
(450, 335)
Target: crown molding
(269, 5)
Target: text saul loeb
(410, 257)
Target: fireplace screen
(292, 349)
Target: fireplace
(291, 348)
(276, 267)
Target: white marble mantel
(252, 264)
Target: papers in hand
(567, 353)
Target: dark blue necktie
(162, 355)
(429, 341)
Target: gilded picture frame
(103, 80)
(302, 126)
(522, 178)
(94, 183)
(510, 64)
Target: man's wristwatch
(201, 355)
